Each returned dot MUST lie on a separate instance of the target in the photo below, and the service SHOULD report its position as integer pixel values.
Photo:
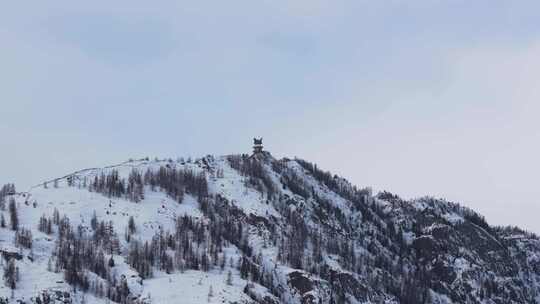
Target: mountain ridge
(300, 235)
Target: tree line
(175, 182)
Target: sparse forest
(314, 237)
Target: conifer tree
(10, 274)
(229, 278)
(210, 293)
(13, 216)
(131, 225)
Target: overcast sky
(434, 98)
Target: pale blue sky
(430, 97)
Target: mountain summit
(251, 229)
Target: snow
(409, 237)
(231, 186)
(439, 298)
(460, 266)
(453, 218)
(195, 286)
(34, 276)
(320, 189)
(156, 211)
(333, 262)
(419, 205)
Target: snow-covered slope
(239, 229)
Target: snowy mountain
(250, 229)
